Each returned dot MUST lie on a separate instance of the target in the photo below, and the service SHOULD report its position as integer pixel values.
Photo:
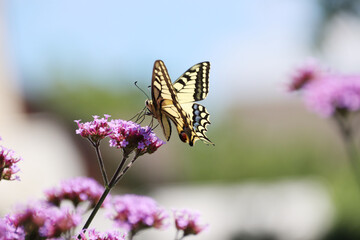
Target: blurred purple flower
(58, 221)
(95, 130)
(305, 75)
(40, 219)
(77, 190)
(188, 222)
(130, 136)
(9, 232)
(8, 164)
(134, 213)
(92, 234)
(334, 93)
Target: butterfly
(176, 102)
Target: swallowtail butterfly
(176, 101)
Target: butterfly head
(150, 107)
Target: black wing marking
(200, 119)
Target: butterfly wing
(193, 85)
(200, 119)
(160, 94)
(166, 105)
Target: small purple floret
(8, 164)
(305, 75)
(188, 222)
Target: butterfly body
(176, 102)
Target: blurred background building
(277, 171)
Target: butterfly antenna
(141, 90)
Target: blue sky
(250, 44)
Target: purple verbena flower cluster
(334, 93)
(131, 136)
(92, 234)
(135, 213)
(95, 130)
(8, 164)
(326, 92)
(41, 219)
(125, 135)
(188, 222)
(77, 190)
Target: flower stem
(350, 147)
(104, 195)
(182, 237)
(100, 161)
(118, 172)
(176, 234)
(95, 210)
(126, 169)
(130, 235)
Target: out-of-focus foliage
(331, 9)
(80, 101)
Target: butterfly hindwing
(166, 126)
(200, 120)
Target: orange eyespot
(183, 136)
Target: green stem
(100, 161)
(95, 210)
(130, 235)
(126, 169)
(350, 146)
(182, 237)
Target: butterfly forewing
(193, 85)
(159, 86)
(165, 101)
